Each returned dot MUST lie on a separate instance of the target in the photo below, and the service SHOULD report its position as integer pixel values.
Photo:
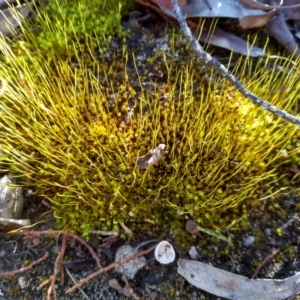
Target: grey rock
(130, 268)
(193, 253)
(248, 241)
(11, 198)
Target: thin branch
(74, 281)
(58, 268)
(24, 269)
(44, 283)
(209, 60)
(74, 236)
(111, 266)
(265, 261)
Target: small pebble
(23, 283)
(193, 253)
(191, 227)
(130, 268)
(249, 240)
(28, 193)
(268, 231)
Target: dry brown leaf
(257, 21)
(280, 31)
(251, 14)
(221, 38)
(216, 8)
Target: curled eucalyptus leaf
(250, 13)
(236, 287)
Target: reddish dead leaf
(251, 14)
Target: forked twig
(58, 262)
(209, 60)
(58, 268)
(111, 266)
(74, 236)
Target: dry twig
(58, 268)
(265, 261)
(74, 281)
(58, 262)
(24, 269)
(209, 60)
(74, 236)
(111, 266)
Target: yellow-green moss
(60, 27)
(74, 132)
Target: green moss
(289, 252)
(75, 132)
(62, 27)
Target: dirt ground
(154, 281)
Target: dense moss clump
(60, 27)
(75, 132)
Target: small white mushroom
(164, 253)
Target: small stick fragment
(73, 279)
(156, 198)
(125, 228)
(208, 4)
(44, 283)
(24, 269)
(58, 268)
(74, 236)
(265, 261)
(152, 157)
(105, 233)
(111, 266)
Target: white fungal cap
(164, 253)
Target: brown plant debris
(126, 290)
(152, 157)
(24, 269)
(111, 266)
(59, 265)
(264, 262)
